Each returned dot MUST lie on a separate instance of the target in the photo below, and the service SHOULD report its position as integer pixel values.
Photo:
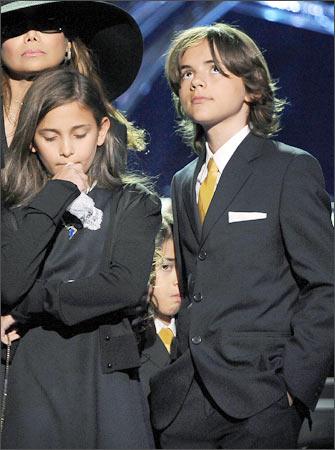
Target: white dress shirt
(159, 325)
(221, 156)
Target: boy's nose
(198, 82)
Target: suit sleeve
(26, 235)
(183, 316)
(308, 233)
(120, 286)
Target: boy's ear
(252, 97)
(104, 127)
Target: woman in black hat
(96, 37)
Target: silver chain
(5, 386)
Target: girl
(75, 372)
(39, 35)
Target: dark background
(297, 40)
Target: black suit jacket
(258, 320)
(154, 357)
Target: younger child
(165, 300)
(73, 381)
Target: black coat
(79, 354)
(26, 237)
(259, 316)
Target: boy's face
(165, 293)
(208, 97)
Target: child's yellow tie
(207, 189)
(166, 335)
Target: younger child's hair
(164, 234)
(241, 56)
(24, 174)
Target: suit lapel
(231, 181)
(189, 197)
(157, 353)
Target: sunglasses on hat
(48, 25)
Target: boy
(253, 244)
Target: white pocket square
(237, 216)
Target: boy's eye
(165, 266)
(215, 69)
(186, 75)
(80, 136)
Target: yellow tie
(166, 335)
(207, 189)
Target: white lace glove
(83, 208)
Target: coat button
(196, 340)
(109, 365)
(202, 255)
(107, 338)
(197, 297)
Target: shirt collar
(226, 151)
(159, 325)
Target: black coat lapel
(232, 179)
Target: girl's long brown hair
(24, 175)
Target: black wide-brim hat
(111, 33)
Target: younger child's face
(69, 134)
(208, 97)
(165, 294)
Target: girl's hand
(73, 173)
(7, 332)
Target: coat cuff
(54, 198)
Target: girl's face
(165, 293)
(34, 51)
(69, 134)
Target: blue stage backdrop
(297, 38)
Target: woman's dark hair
(24, 174)
(240, 56)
